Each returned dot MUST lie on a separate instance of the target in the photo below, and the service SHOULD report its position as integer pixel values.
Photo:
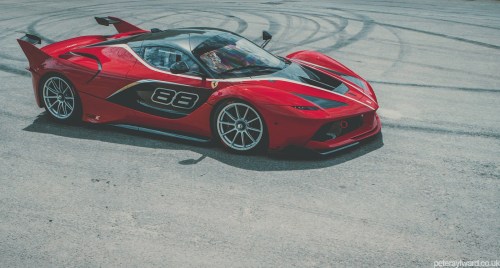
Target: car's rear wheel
(60, 99)
(240, 127)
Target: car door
(158, 91)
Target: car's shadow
(292, 159)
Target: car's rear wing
(120, 25)
(32, 39)
(35, 55)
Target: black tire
(239, 127)
(60, 99)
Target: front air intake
(338, 128)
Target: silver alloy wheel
(58, 97)
(240, 126)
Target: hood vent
(319, 79)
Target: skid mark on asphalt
(456, 38)
(406, 15)
(468, 89)
(445, 131)
(404, 49)
(366, 29)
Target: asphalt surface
(427, 189)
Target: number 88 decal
(184, 100)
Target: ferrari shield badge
(214, 84)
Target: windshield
(228, 55)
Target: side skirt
(163, 133)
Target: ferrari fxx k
(203, 84)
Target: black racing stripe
(162, 98)
(322, 80)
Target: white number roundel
(183, 100)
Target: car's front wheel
(239, 126)
(60, 99)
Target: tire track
(12, 70)
(460, 39)
(443, 131)
(338, 28)
(428, 18)
(468, 89)
(404, 50)
(366, 29)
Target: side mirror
(179, 67)
(266, 36)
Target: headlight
(323, 103)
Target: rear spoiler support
(35, 55)
(120, 25)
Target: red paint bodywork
(285, 124)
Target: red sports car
(203, 84)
